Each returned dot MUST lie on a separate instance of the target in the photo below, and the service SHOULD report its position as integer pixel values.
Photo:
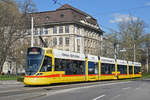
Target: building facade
(69, 29)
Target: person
(8, 72)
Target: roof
(66, 6)
(65, 14)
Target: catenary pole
(32, 32)
(134, 53)
(147, 60)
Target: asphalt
(126, 90)
(10, 82)
(102, 90)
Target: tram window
(107, 68)
(47, 64)
(92, 68)
(70, 66)
(136, 70)
(130, 70)
(59, 65)
(96, 68)
(122, 69)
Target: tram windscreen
(33, 60)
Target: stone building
(69, 29)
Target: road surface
(102, 90)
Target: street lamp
(123, 50)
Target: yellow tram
(46, 66)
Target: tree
(28, 7)
(108, 45)
(131, 36)
(13, 27)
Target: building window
(38, 18)
(67, 49)
(36, 31)
(60, 41)
(78, 45)
(41, 31)
(29, 32)
(67, 29)
(47, 17)
(62, 15)
(67, 40)
(61, 29)
(54, 41)
(46, 30)
(36, 41)
(46, 41)
(55, 30)
(78, 30)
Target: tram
(47, 66)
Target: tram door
(93, 70)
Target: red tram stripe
(107, 74)
(92, 75)
(122, 74)
(55, 75)
(71, 75)
(58, 75)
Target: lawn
(9, 77)
(146, 75)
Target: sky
(107, 12)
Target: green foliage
(132, 33)
(20, 79)
(10, 77)
(146, 75)
(14, 23)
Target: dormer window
(47, 17)
(62, 15)
(38, 19)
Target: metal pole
(134, 53)
(101, 46)
(115, 54)
(32, 32)
(147, 61)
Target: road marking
(92, 83)
(98, 97)
(126, 88)
(83, 87)
(137, 88)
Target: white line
(98, 97)
(126, 88)
(83, 87)
(137, 88)
(84, 84)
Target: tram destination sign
(34, 51)
(68, 55)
